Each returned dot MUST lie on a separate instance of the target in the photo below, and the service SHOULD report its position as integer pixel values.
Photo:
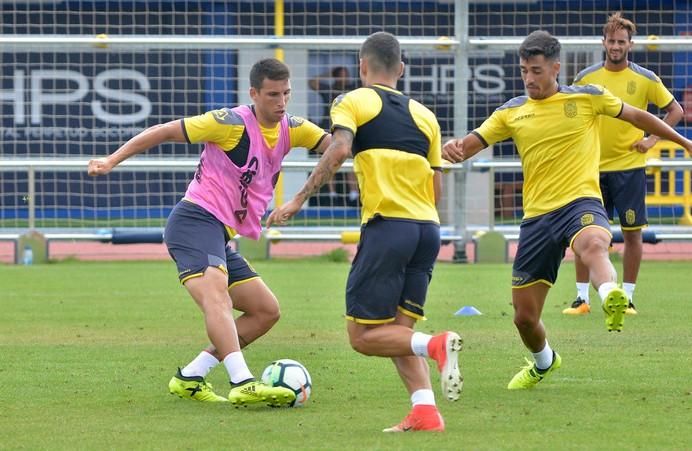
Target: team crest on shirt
(220, 115)
(338, 100)
(296, 121)
(586, 219)
(631, 87)
(570, 108)
(630, 216)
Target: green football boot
(614, 306)
(254, 392)
(194, 387)
(529, 375)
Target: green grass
(87, 349)
(325, 220)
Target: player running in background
(554, 130)
(231, 189)
(623, 150)
(395, 142)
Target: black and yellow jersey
(557, 141)
(225, 128)
(636, 86)
(396, 148)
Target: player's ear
(363, 66)
(401, 69)
(253, 93)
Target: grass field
(87, 349)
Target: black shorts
(543, 240)
(625, 192)
(391, 270)
(197, 240)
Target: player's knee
(270, 315)
(213, 303)
(632, 237)
(264, 314)
(359, 343)
(525, 320)
(595, 245)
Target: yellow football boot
(253, 392)
(529, 375)
(614, 307)
(194, 387)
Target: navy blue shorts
(391, 270)
(197, 240)
(625, 192)
(543, 240)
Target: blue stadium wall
(206, 79)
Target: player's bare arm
(151, 137)
(458, 150)
(437, 186)
(652, 125)
(331, 161)
(674, 114)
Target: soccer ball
(292, 375)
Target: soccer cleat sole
(450, 377)
(271, 401)
(614, 306)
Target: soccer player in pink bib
(231, 189)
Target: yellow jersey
(636, 86)
(226, 128)
(557, 142)
(396, 148)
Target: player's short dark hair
(617, 22)
(540, 42)
(270, 68)
(382, 51)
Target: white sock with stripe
(200, 365)
(236, 367)
(583, 291)
(544, 358)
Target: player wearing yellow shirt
(243, 150)
(395, 142)
(554, 129)
(623, 150)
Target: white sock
(629, 289)
(543, 358)
(606, 288)
(200, 366)
(236, 367)
(423, 396)
(583, 291)
(419, 344)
